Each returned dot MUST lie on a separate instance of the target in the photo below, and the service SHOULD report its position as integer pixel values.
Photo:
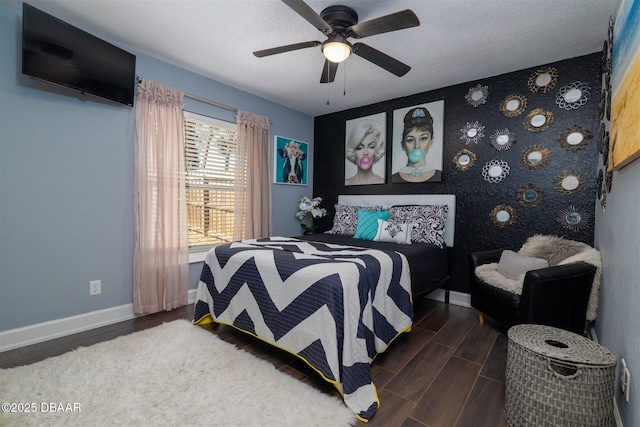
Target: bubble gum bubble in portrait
(416, 155)
(365, 162)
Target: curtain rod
(201, 99)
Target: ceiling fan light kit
(336, 49)
(338, 23)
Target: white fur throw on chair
(557, 251)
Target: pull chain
(328, 103)
(344, 87)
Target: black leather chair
(554, 296)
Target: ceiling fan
(339, 23)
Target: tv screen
(57, 52)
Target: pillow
(345, 220)
(512, 264)
(395, 233)
(428, 222)
(368, 223)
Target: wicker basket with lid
(557, 378)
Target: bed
(331, 299)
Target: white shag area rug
(176, 374)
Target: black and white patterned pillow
(345, 220)
(392, 232)
(428, 222)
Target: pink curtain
(160, 261)
(253, 186)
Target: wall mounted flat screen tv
(59, 53)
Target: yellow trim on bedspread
(208, 319)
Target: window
(210, 167)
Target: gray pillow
(512, 264)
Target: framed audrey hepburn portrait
(417, 145)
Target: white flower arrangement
(309, 210)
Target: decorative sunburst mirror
(503, 215)
(472, 132)
(600, 185)
(570, 183)
(573, 95)
(605, 149)
(513, 105)
(608, 113)
(503, 139)
(573, 218)
(535, 156)
(543, 80)
(464, 159)
(477, 95)
(530, 196)
(538, 120)
(574, 138)
(495, 171)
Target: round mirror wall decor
(464, 159)
(608, 181)
(575, 138)
(503, 215)
(472, 132)
(570, 183)
(605, 149)
(573, 95)
(513, 105)
(477, 95)
(543, 80)
(535, 156)
(601, 138)
(530, 196)
(600, 185)
(538, 120)
(502, 139)
(495, 171)
(573, 218)
(602, 106)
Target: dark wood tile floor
(448, 371)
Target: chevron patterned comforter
(334, 306)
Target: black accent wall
(476, 197)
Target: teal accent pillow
(367, 227)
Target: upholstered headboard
(409, 199)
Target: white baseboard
(455, 297)
(33, 334)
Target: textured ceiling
(457, 41)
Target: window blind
(210, 167)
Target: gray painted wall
(66, 185)
(618, 239)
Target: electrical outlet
(95, 287)
(625, 379)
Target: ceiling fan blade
(381, 59)
(287, 48)
(384, 24)
(303, 9)
(328, 71)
